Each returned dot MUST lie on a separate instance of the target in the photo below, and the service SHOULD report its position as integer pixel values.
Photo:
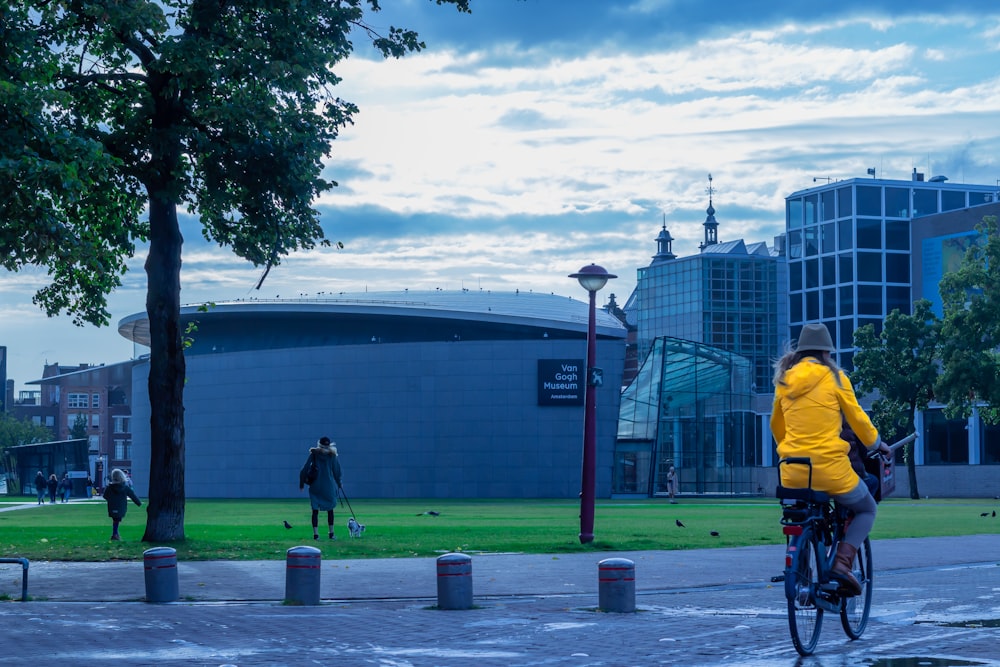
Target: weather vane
(709, 190)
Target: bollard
(454, 581)
(302, 575)
(160, 566)
(616, 585)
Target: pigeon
(287, 525)
(679, 524)
(429, 513)
(714, 533)
(984, 514)
(994, 514)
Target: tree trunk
(165, 512)
(909, 454)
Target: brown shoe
(841, 571)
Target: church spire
(711, 226)
(664, 241)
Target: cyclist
(812, 397)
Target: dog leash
(343, 495)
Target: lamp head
(592, 278)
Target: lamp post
(592, 278)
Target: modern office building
(464, 394)
(849, 249)
(708, 327)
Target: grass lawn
(253, 530)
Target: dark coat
(118, 496)
(323, 492)
(53, 484)
(40, 483)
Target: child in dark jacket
(118, 493)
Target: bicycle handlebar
(896, 445)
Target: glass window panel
(812, 273)
(794, 245)
(846, 361)
(828, 238)
(795, 307)
(795, 276)
(830, 302)
(846, 262)
(829, 270)
(897, 268)
(831, 326)
(950, 200)
(897, 234)
(869, 233)
(946, 441)
(847, 300)
(846, 332)
(925, 202)
(869, 200)
(845, 234)
(869, 300)
(810, 210)
(793, 212)
(826, 206)
(869, 267)
(977, 198)
(810, 239)
(812, 305)
(989, 453)
(845, 207)
(897, 298)
(897, 202)
(875, 322)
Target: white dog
(354, 527)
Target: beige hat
(815, 336)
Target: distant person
(90, 487)
(672, 483)
(118, 493)
(40, 486)
(322, 490)
(65, 487)
(53, 486)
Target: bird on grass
(679, 524)
(287, 525)
(994, 514)
(429, 513)
(984, 514)
(714, 533)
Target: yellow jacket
(806, 421)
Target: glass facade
(689, 406)
(858, 271)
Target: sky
(534, 137)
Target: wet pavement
(936, 604)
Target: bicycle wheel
(804, 617)
(855, 610)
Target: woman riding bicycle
(812, 397)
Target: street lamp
(592, 278)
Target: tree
(113, 107)
(900, 366)
(970, 330)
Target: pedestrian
(812, 398)
(118, 493)
(53, 486)
(90, 487)
(322, 489)
(672, 483)
(40, 486)
(65, 487)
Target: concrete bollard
(160, 570)
(454, 581)
(302, 575)
(616, 585)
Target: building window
(869, 299)
(947, 440)
(76, 401)
(950, 200)
(95, 400)
(897, 202)
(897, 234)
(50, 420)
(925, 202)
(870, 267)
(123, 450)
(990, 447)
(897, 268)
(826, 211)
(845, 208)
(869, 233)
(122, 424)
(95, 421)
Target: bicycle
(814, 526)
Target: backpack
(309, 472)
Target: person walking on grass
(118, 493)
(53, 485)
(40, 486)
(322, 489)
(65, 487)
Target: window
(828, 238)
(897, 268)
(846, 300)
(869, 200)
(870, 267)
(826, 211)
(70, 420)
(811, 213)
(76, 401)
(50, 420)
(925, 202)
(122, 424)
(869, 299)
(946, 440)
(123, 450)
(897, 298)
(829, 270)
(95, 400)
(845, 207)
(812, 273)
(812, 305)
(897, 234)
(950, 200)
(95, 421)
(830, 304)
(794, 213)
(897, 202)
(990, 446)
(869, 233)
(846, 262)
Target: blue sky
(533, 137)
